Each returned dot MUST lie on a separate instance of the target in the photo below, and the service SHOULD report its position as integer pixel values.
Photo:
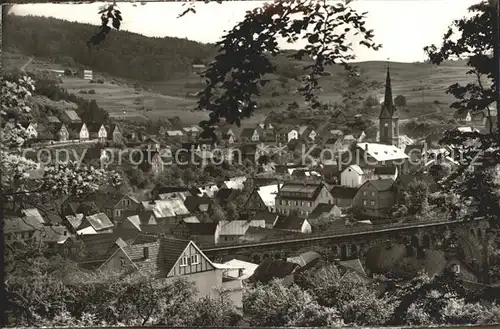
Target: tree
(236, 75)
(400, 101)
(59, 179)
(471, 38)
(274, 305)
(371, 101)
(417, 198)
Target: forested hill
(122, 54)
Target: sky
(403, 27)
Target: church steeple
(389, 118)
(388, 102)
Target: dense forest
(122, 54)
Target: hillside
(123, 54)
(164, 65)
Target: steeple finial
(388, 102)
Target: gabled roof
(75, 220)
(343, 192)
(381, 185)
(321, 208)
(270, 269)
(332, 140)
(22, 224)
(268, 217)
(289, 223)
(268, 194)
(142, 218)
(417, 147)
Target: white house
(98, 131)
(352, 176)
(31, 130)
(78, 131)
(293, 134)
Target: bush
(68, 72)
(100, 81)
(91, 91)
(83, 91)
(371, 101)
(400, 100)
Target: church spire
(388, 101)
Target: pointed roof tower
(388, 109)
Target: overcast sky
(403, 27)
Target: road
(27, 63)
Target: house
(285, 135)
(270, 269)
(114, 133)
(142, 222)
(375, 199)
(301, 198)
(61, 132)
(389, 172)
(153, 161)
(337, 133)
(70, 116)
(324, 209)
(97, 131)
(114, 205)
(31, 129)
(343, 196)
(249, 135)
(17, 229)
(292, 223)
(167, 212)
(52, 119)
(201, 233)
(233, 230)
(256, 234)
(263, 198)
(86, 74)
(82, 224)
(227, 139)
(170, 259)
(352, 176)
(306, 259)
(209, 190)
(78, 131)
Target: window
(184, 261)
(195, 259)
(373, 193)
(365, 202)
(364, 192)
(118, 212)
(145, 252)
(372, 203)
(307, 213)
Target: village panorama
(152, 175)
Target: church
(389, 117)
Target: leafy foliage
(471, 38)
(237, 74)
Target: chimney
(366, 147)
